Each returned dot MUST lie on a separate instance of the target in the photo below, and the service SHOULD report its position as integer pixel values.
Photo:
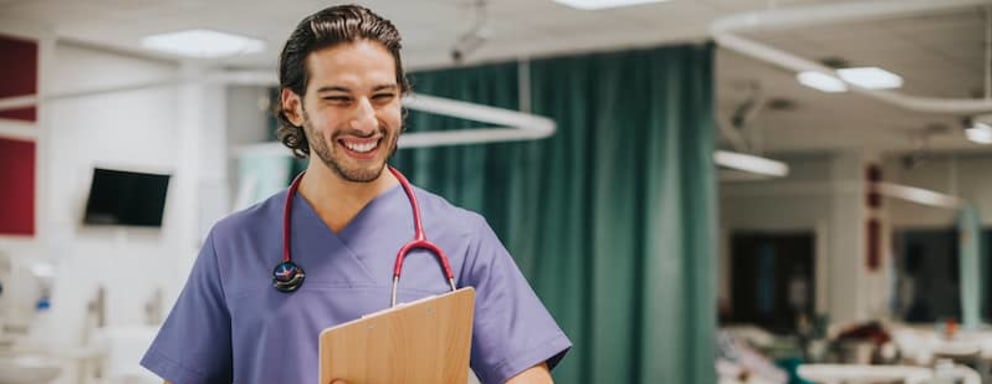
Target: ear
(292, 106)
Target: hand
(338, 381)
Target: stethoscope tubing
(293, 282)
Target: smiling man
(239, 320)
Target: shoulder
(461, 227)
(439, 211)
(258, 218)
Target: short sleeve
(194, 344)
(512, 331)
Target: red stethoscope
(288, 277)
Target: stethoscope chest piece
(287, 277)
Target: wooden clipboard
(423, 342)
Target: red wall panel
(19, 76)
(17, 187)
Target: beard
(338, 162)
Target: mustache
(381, 130)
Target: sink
(123, 347)
(28, 369)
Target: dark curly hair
(327, 28)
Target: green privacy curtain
(969, 252)
(612, 219)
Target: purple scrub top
(229, 325)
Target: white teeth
(362, 148)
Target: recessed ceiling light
(203, 43)
(980, 133)
(603, 4)
(871, 77)
(821, 81)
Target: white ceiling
(939, 55)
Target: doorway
(772, 279)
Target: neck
(337, 200)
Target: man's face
(351, 112)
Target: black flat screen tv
(126, 198)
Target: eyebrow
(340, 88)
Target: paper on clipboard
(423, 342)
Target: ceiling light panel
(603, 4)
(821, 81)
(203, 44)
(980, 133)
(870, 77)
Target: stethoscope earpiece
(287, 277)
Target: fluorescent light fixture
(751, 163)
(919, 195)
(603, 4)
(203, 43)
(821, 81)
(979, 132)
(871, 77)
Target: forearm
(538, 374)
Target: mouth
(361, 148)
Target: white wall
(968, 176)
(134, 130)
(179, 129)
(824, 194)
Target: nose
(364, 119)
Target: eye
(383, 97)
(338, 99)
